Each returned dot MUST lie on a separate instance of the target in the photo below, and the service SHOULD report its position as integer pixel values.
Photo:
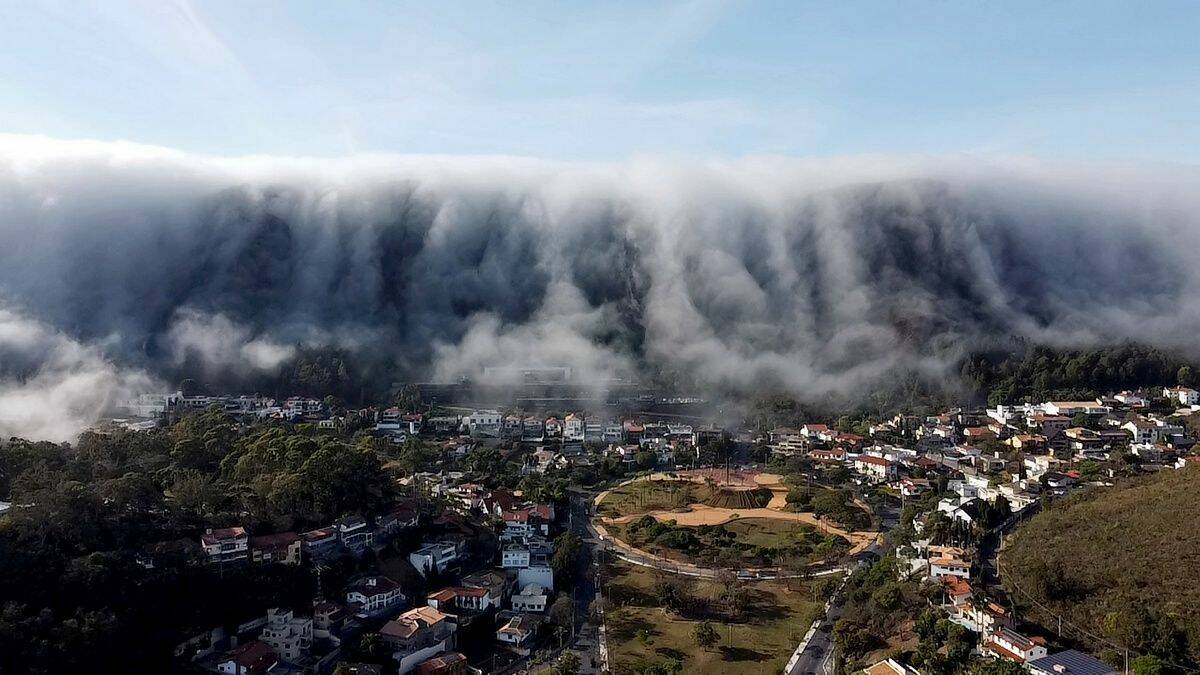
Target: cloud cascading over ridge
(821, 277)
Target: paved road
(586, 634)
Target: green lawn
(641, 633)
(744, 542)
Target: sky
(1091, 80)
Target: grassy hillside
(1123, 562)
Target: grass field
(641, 633)
(656, 495)
(743, 542)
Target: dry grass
(641, 633)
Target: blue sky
(574, 80)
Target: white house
(573, 428)
(532, 598)
(876, 468)
(373, 594)
(1185, 395)
(484, 423)
(1007, 643)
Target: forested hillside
(1122, 562)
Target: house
(484, 423)
(1070, 662)
(518, 633)
(633, 431)
(593, 430)
(438, 555)
(321, 542)
(949, 561)
(495, 583)
(354, 533)
(532, 598)
(452, 663)
(1048, 426)
(891, 667)
(982, 616)
(1185, 395)
(329, 618)
(539, 574)
(1007, 643)
(912, 487)
(875, 468)
(226, 546)
(460, 599)
(1072, 408)
(835, 455)
(572, 428)
(786, 441)
(252, 658)
(287, 635)
(417, 635)
(1028, 442)
(283, 548)
(397, 519)
(372, 595)
(553, 427)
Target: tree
(561, 611)
(705, 635)
(567, 550)
(998, 667)
(567, 664)
(1148, 664)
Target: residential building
(438, 555)
(484, 423)
(452, 663)
(518, 632)
(1007, 643)
(225, 546)
(283, 548)
(1184, 395)
(532, 598)
(289, 636)
(497, 584)
(417, 635)
(460, 599)
(373, 594)
(252, 658)
(573, 428)
(875, 468)
(541, 575)
(1070, 662)
(354, 533)
(321, 542)
(891, 667)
